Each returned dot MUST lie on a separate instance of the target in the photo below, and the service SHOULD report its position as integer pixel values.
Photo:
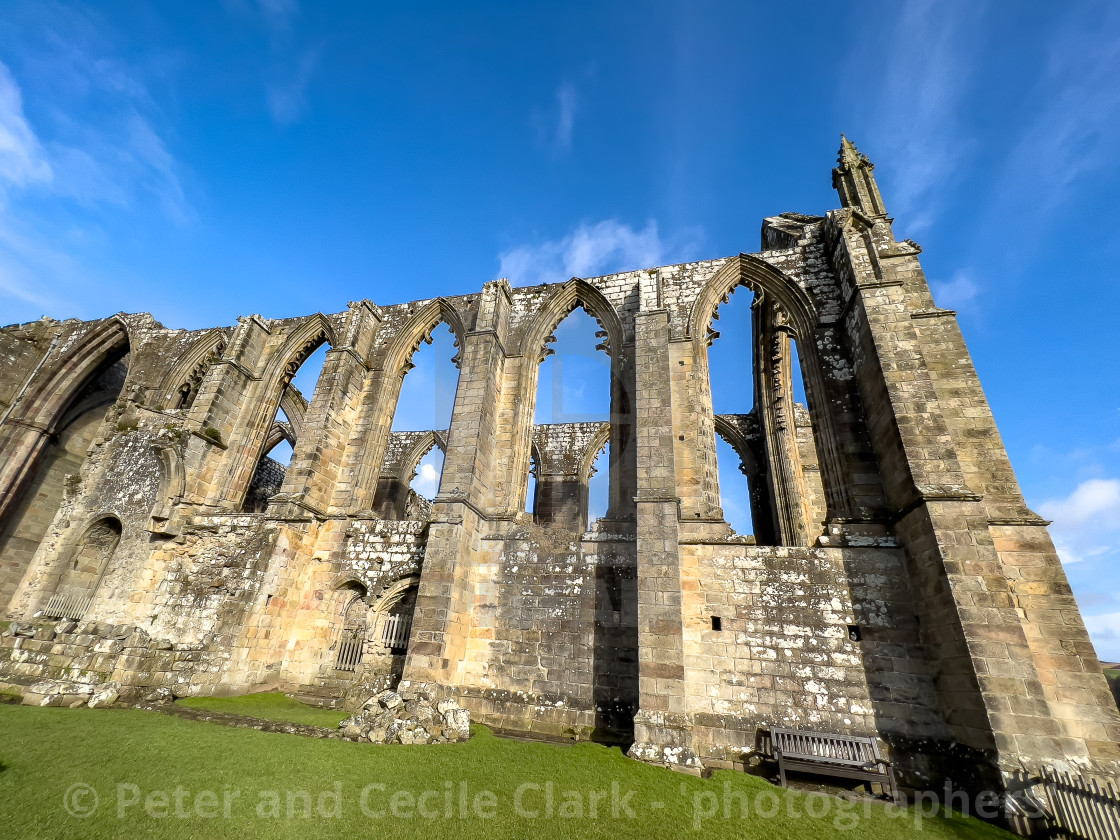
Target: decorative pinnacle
(851, 157)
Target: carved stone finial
(854, 180)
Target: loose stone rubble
(411, 715)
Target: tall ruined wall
(895, 584)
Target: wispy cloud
(956, 293)
(278, 13)
(1075, 126)
(555, 125)
(1087, 521)
(22, 159)
(290, 66)
(588, 251)
(287, 100)
(909, 101)
(97, 140)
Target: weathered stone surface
(104, 695)
(895, 584)
(385, 719)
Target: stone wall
(896, 583)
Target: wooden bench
(823, 753)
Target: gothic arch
(735, 439)
(396, 363)
(417, 452)
(294, 405)
(48, 396)
(258, 417)
(781, 297)
(762, 278)
(574, 294)
(278, 432)
(38, 415)
(305, 339)
(186, 375)
(594, 447)
(419, 327)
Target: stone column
(442, 621)
(310, 480)
(662, 729)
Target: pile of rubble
(409, 715)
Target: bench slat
(849, 756)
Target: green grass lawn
(271, 705)
(157, 776)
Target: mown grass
(150, 772)
(272, 705)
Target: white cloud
(426, 482)
(911, 118)
(588, 251)
(955, 293)
(22, 159)
(1087, 522)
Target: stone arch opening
(181, 385)
(608, 338)
(84, 568)
(351, 625)
(414, 409)
(45, 439)
(795, 440)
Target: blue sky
(208, 160)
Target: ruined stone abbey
(896, 584)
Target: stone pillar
(310, 480)
(773, 387)
(225, 390)
(662, 728)
(442, 621)
(1017, 681)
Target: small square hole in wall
(717, 622)
(853, 633)
(680, 437)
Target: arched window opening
(734, 488)
(731, 383)
(268, 478)
(731, 356)
(796, 374)
(351, 626)
(531, 485)
(598, 485)
(307, 377)
(424, 485)
(427, 395)
(574, 381)
(41, 493)
(279, 445)
(84, 569)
